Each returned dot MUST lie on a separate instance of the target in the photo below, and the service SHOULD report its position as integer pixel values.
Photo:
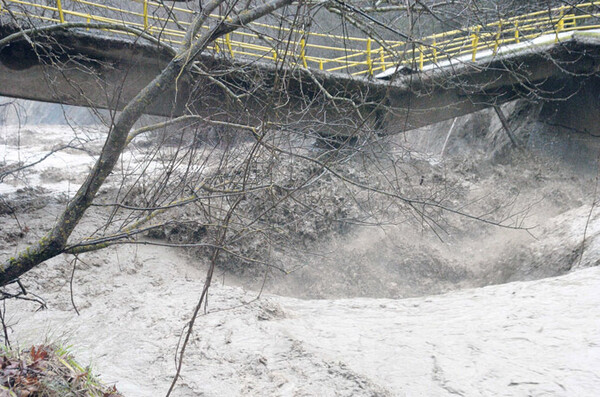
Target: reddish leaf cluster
(23, 376)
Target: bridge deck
(302, 46)
(85, 69)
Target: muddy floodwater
(384, 310)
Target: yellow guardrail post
(474, 43)
(275, 55)
(61, 16)
(320, 64)
(517, 39)
(303, 52)
(228, 43)
(560, 26)
(421, 57)
(435, 52)
(497, 38)
(145, 14)
(88, 20)
(369, 61)
(382, 58)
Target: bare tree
(196, 41)
(269, 143)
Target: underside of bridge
(85, 69)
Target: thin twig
(71, 284)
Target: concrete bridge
(95, 70)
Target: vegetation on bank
(47, 371)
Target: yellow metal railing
(333, 53)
